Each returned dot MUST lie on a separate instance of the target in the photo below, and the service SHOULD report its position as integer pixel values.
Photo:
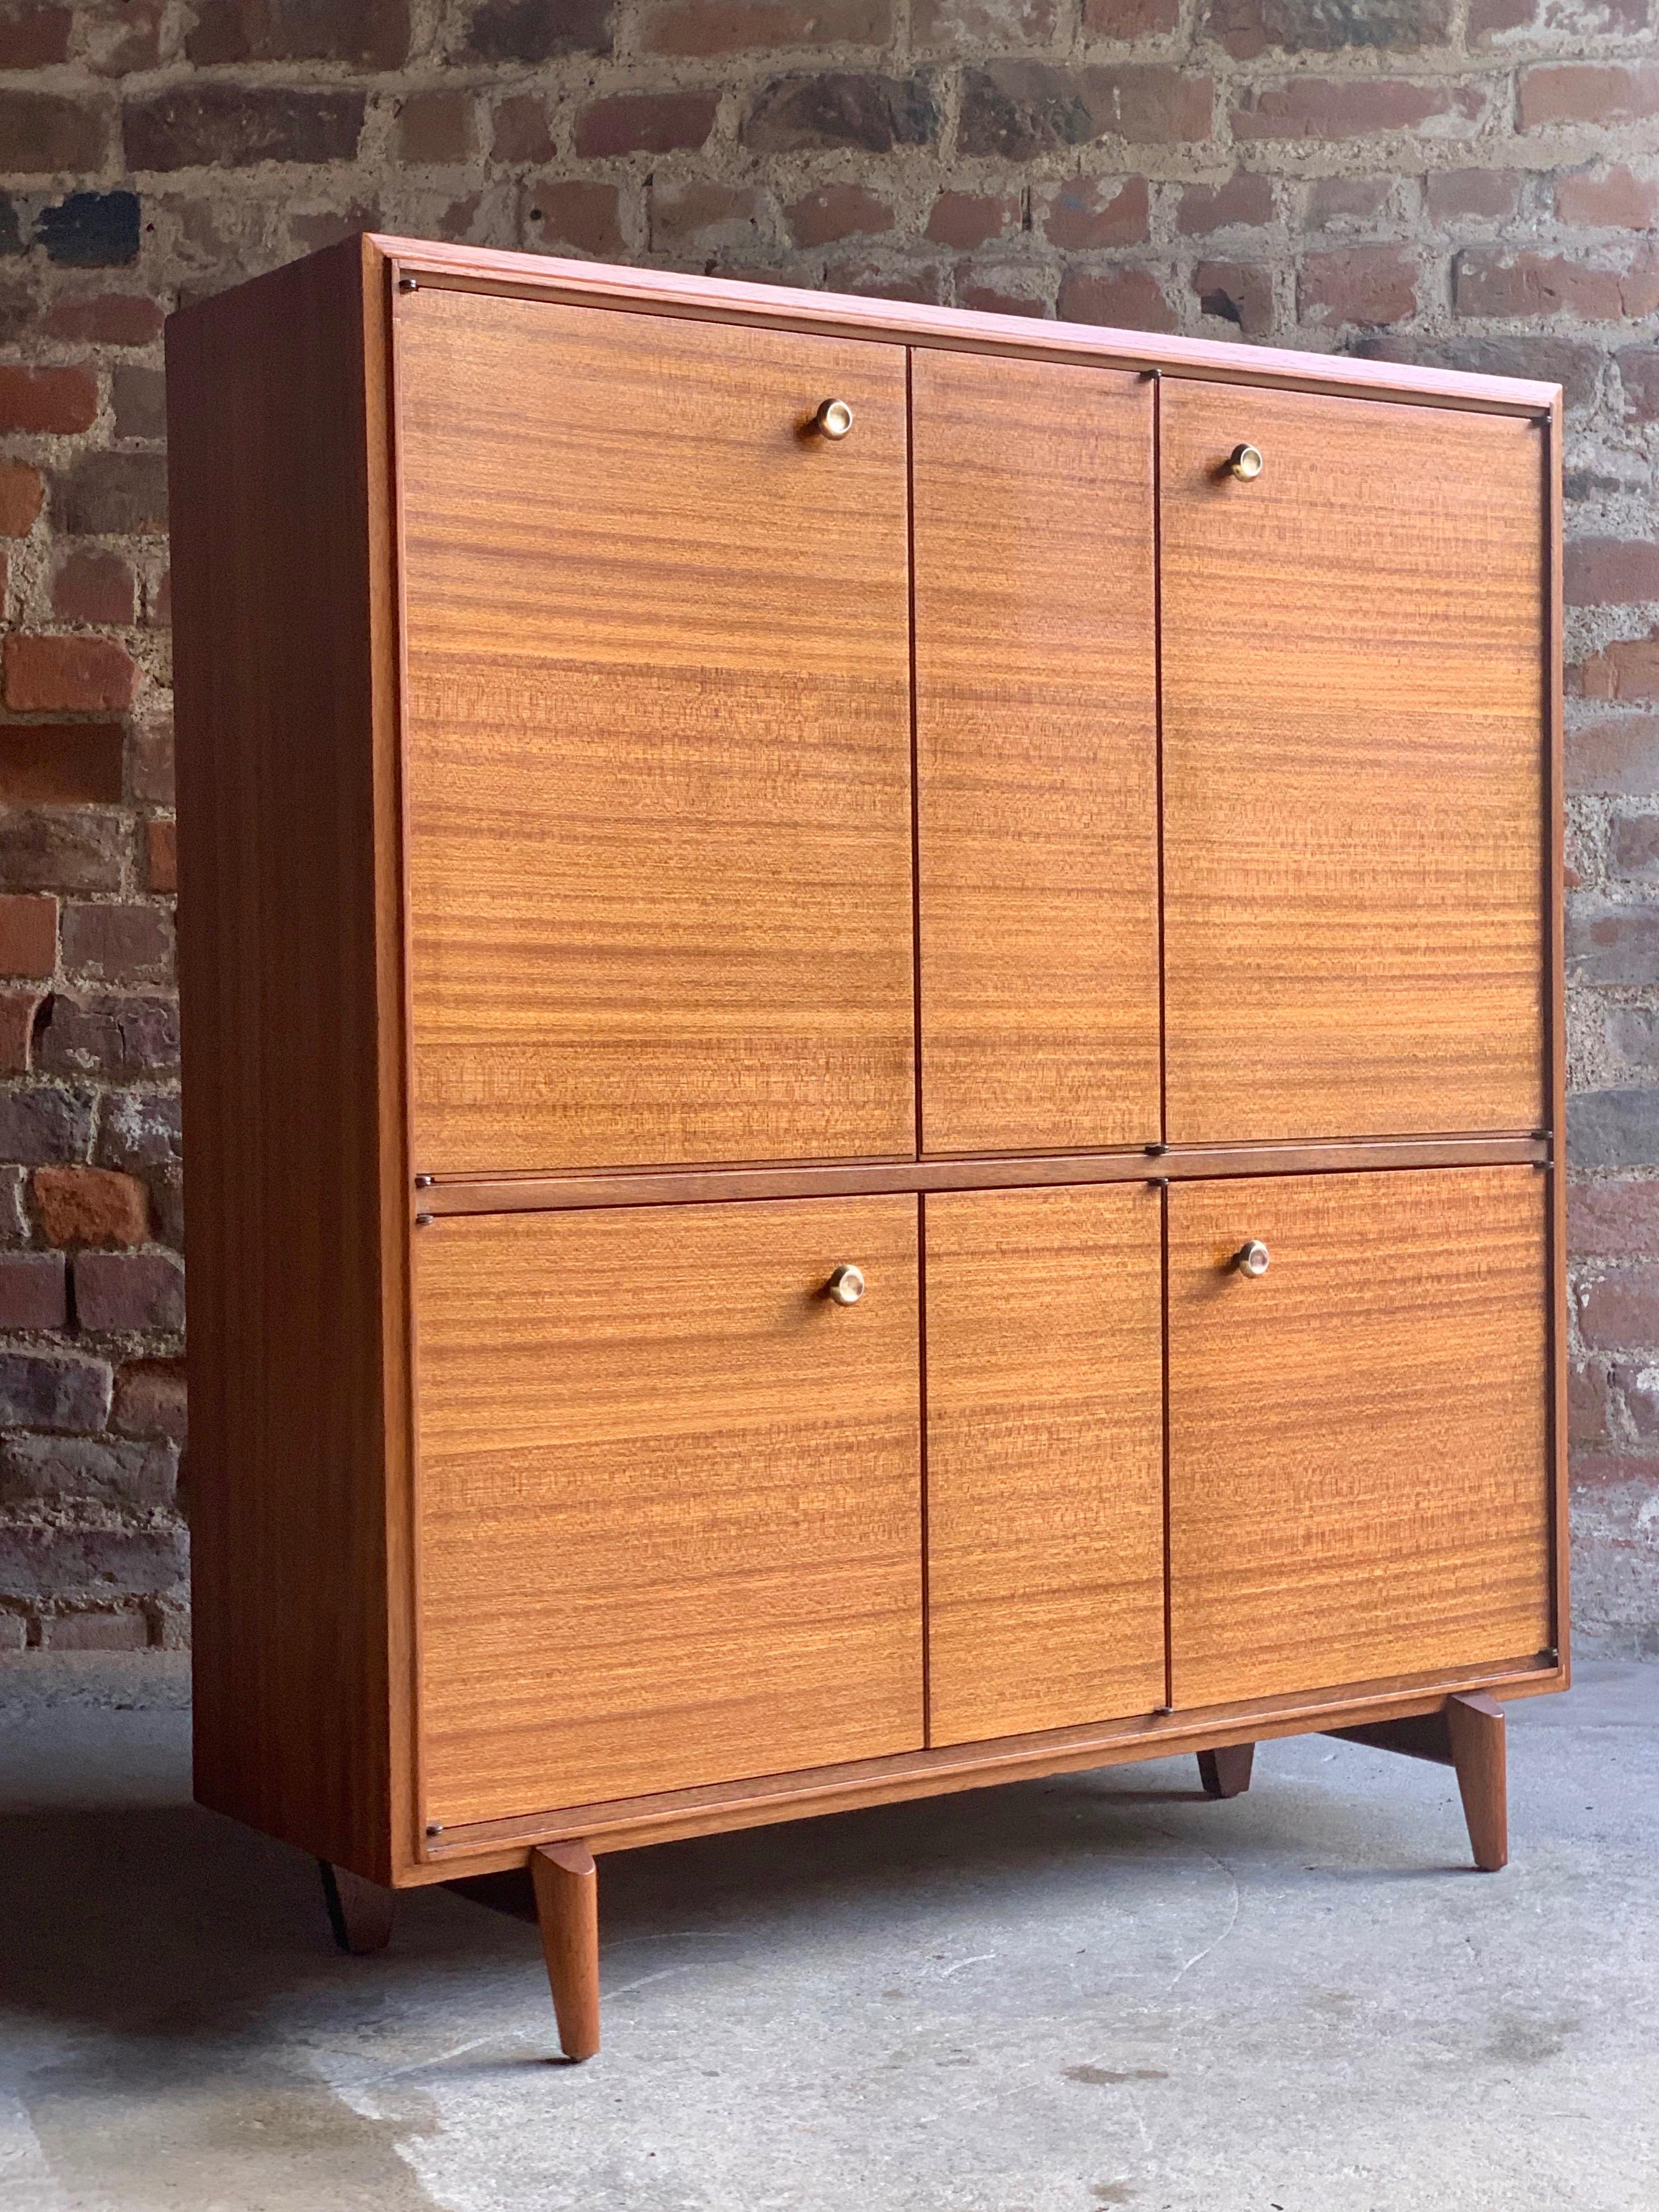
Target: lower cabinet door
(669, 1498)
(1045, 1459)
(1359, 1478)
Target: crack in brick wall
(1472, 183)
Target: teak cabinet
(873, 1057)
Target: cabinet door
(1045, 1466)
(1354, 681)
(669, 1499)
(1037, 755)
(1357, 1440)
(658, 739)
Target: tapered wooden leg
(567, 1887)
(1226, 1773)
(1474, 1727)
(359, 1912)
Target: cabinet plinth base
(1226, 1772)
(1468, 1736)
(359, 1912)
(567, 1887)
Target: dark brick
(141, 411)
(88, 1469)
(538, 30)
(140, 1129)
(152, 763)
(59, 401)
(1248, 27)
(127, 1630)
(108, 1035)
(373, 33)
(56, 849)
(1638, 376)
(19, 1012)
(118, 943)
(435, 127)
(920, 281)
(60, 763)
(1002, 289)
(1125, 299)
(1587, 1402)
(696, 215)
(43, 133)
(1614, 1129)
(33, 1291)
(1635, 846)
(1613, 1220)
(229, 126)
(53, 1390)
(518, 130)
(120, 36)
(1621, 1311)
(1575, 367)
(66, 1564)
(28, 935)
(33, 36)
(1020, 110)
(44, 1125)
(1609, 944)
(704, 27)
(842, 107)
(645, 123)
(1611, 571)
(1241, 294)
(113, 495)
(151, 1399)
(90, 230)
(1130, 19)
(579, 214)
(123, 1293)
(90, 584)
(1488, 280)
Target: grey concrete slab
(1102, 1990)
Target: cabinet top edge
(597, 283)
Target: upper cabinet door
(1037, 755)
(658, 739)
(1354, 689)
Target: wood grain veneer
(290, 981)
(1359, 1464)
(1037, 755)
(670, 1501)
(1045, 1459)
(1354, 770)
(658, 737)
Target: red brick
(94, 1631)
(1130, 19)
(1576, 91)
(150, 1399)
(93, 587)
(33, 1291)
(999, 291)
(108, 318)
(1092, 211)
(1246, 198)
(518, 131)
(1241, 294)
(1613, 1220)
(160, 854)
(32, 36)
(44, 133)
(1354, 107)
(1366, 284)
(970, 219)
(1617, 753)
(1603, 572)
(60, 763)
(702, 28)
(435, 126)
(1622, 1312)
(1489, 18)
(28, 935)
(126, 1291)
(1126, 299)
(1489, 281)
(694, 214)
(1346, 202)
(22, 492)
(645, 123)
(77, 1206)
(1628, 669)
(1488, 195)
(117, 943)
(1608, 199)
(575, 213)
(836, 211)
(58, 401)
(17, 1012)
(82, 673)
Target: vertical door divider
(915, 736)
(1164, 1301)
(921, 1375)
(1157, 743)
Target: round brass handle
(834, 419)
(1251, 1259)
(846, 1285)
(1245, 462)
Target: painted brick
(81, 673)
(128, 1293)
(28, 935)
(90, 230)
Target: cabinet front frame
(418, 1856)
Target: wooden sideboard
(873, 1059)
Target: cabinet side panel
(288, 975)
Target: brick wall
(1473, 182)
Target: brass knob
(1251, 1259)
(1245, 463)
(834, 418)
(846, 1285)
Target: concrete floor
(1102, 1990)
